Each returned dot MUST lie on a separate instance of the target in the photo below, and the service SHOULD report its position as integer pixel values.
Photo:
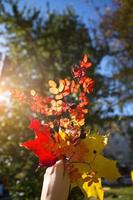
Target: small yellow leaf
(81, 122)
(52, 83)
(62, 135)
(59, 96)
(61, 85)
(132, 175)
(53, 90)
(33, 93)
(94, 190)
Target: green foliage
(42, 49)
(121, 28)
(76, 193)
(117, 28)
(15, 162)
(119, 193)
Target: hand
(56, 183)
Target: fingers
(56, 179)
(50, 170)
(66, 181)
(59, 168)
(57, 171)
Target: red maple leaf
(39, 145)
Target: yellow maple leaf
(94, 190)
(131, 175)
(94, 166)
(62, 134)
(102, 166)
(105, 168)
(95, 144)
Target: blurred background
(41, 40)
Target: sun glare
(5, 98)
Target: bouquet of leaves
(61, 133)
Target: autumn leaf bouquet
(61, 133)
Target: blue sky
(85, 9)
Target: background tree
(38, 48)
(119, 34)
(117, 30)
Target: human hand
(56, 183)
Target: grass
(111, 193)
(121, 193)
